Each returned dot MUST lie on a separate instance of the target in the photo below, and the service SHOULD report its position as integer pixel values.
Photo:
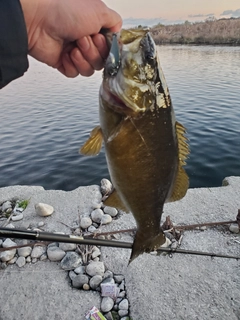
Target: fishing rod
(57, 237)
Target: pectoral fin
(181, 183)
(114, 201)
(93, 145)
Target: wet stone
(118, 278)
(107, 304)
(55, 253)
(80, 269)
(122, 312)
(72, 274)
(79, 281)
(71, 261)
(95, 281)
(124, 304)
(67, 246)
(108, 274)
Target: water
(46, 117)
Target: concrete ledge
(158, 287)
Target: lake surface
(46, 117)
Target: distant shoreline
(222, 32)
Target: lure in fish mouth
(145, 146)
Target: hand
(65, 33)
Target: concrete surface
(158, 287)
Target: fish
(146, 148)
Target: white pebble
(20, 262)
(40, 224)
(37, 252)
(13, 260)
(24, 251)
(43, 209)
(92, 229)
(106, 219)
(10, 226)
(7, 255)
(94, 268)
(111, 211)
(85, 222)
(55, 253)
(8, 243)
(18, 217)
(96, 253)
(234, 228)
(106, 186)
(97, 215)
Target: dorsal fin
(181, 181)
(114, 201)
(93, 145)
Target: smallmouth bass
(145, 146)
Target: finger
(111, 20)
(90, 52)
(67, 67)
(101, 45)
(80, 63)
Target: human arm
(65, 33)
(13, 42)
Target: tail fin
(143, 243)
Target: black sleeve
(13, 42)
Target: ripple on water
(46, 118)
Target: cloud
(233, 13)
(200, 15)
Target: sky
(173, 11)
